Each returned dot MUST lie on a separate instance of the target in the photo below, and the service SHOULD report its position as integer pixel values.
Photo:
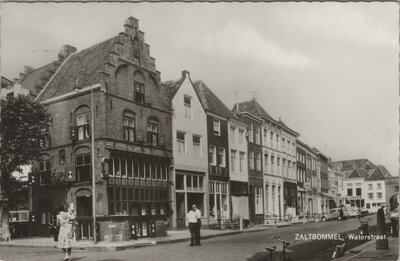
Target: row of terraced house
(160, 147)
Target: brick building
(132, 134)
(218, 151)
(249, 114)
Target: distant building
(364, 184)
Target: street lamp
(93, 170)
(77, 87)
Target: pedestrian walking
(193, 218)
(341, 213)
(66, 235)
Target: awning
(300, 189)
(328, 195)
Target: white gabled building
(189, 135)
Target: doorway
(84, 209)
(180, 210)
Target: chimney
(185, 74)
(28, 69)
(66, 50)
(131, 26)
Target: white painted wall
(234, 144)
(197, 125)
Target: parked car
(334, 214)
(354, 212)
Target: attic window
(187, 100)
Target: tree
(24, 124)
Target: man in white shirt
(193, 219)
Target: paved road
(233, 248)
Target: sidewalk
(174, 236)
(368, 252)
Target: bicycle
(285, 245)
(340, 249)
(270, 251)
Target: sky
(328, 70)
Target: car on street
(354, 211)
(334, 214)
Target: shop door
(180, 210)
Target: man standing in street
(191, 218)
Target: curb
(136, 245)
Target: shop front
(138, 196)
(218, 201)
(290, 199)
(190, 189)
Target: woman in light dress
(66, 236)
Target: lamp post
(93, 169)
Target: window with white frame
(129, 126)
(180, 140)
(250, 130)
(212, 155)
(217, 127)
(370, 196)
(241, 136)
(233, 160)
(272, 164)
(232, 132)
(369, 186)
(258, 197)
(187, 100)
(152, 132)
(265, 163)
(221, 157)
(265, 136)
(379, 195)
(82, 124)
(277, 141)
(283, 144)
(378, 186)
(271, 137)
(196, 145)
(241, 161)
(358, 184)
(257, 135)
(258, 161)
(251, 160)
